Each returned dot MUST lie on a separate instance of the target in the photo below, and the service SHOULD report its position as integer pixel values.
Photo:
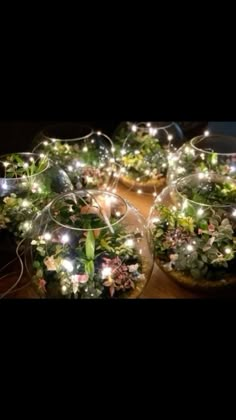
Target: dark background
(17, 136)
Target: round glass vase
(193, 226)
(144, 155)
(203, 154)
(86, 155)
(28, 181)
(89, 244)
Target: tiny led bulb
(47, 236)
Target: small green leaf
(90, 245)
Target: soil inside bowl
(202, 285)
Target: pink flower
(211, 228)
(41, 285)
(83, 278)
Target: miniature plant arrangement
(90, 244)
(86, 156)
(193, 225)
(144, 154)
(27, 183)
(203, 154)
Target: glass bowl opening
(207, 190)
(20, 165)
(220, 144)
(67, 132)
(102, 210)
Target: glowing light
(26, 165)
(139, 191)
(106, 272)
(134, 128)
(70, 168)
(27, 225)
(136, 152)
(200, 212)
(118, 213)
(190, 248)
(92, 141)
(47, 236)
(201, 175)
(67, 265)
(234, 213)
(152, 131)
(138, 179)
(154, 194)
(156, 220)
(129, 243)
(64, 288)
(4, 186)
(113, 150)
(164, 165)
(25, 203)
(65, 238)
(206, 133)
(202, 156)
(148, 124)
(45, 143)
(123, 152)
(42, 155)
(31, 159)
(78, 164)
(53, 140)
(123, 170)
(228, 250)
(6, 164)
(180, 170)
(85, 149)
(174, 208)
(187, 149)
(147, 172)
(114, 190)
(112, 160)
(99, 133)
(214, 160)
(170, 137)
(232, 168)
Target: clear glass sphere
(28, 181)
(206, 153)
(142, 152)
(86, 155)
(193, 226)
(90, 244)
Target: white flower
(133, 268)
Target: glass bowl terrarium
(203, 154)
(89, 244)
(86, 155)
(193, 225)
(28, 181)
(145, 152)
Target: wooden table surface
(159, 286)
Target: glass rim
(28, 154)
(198, 139)
(90, 131)
(195, 176)
(85, 192)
